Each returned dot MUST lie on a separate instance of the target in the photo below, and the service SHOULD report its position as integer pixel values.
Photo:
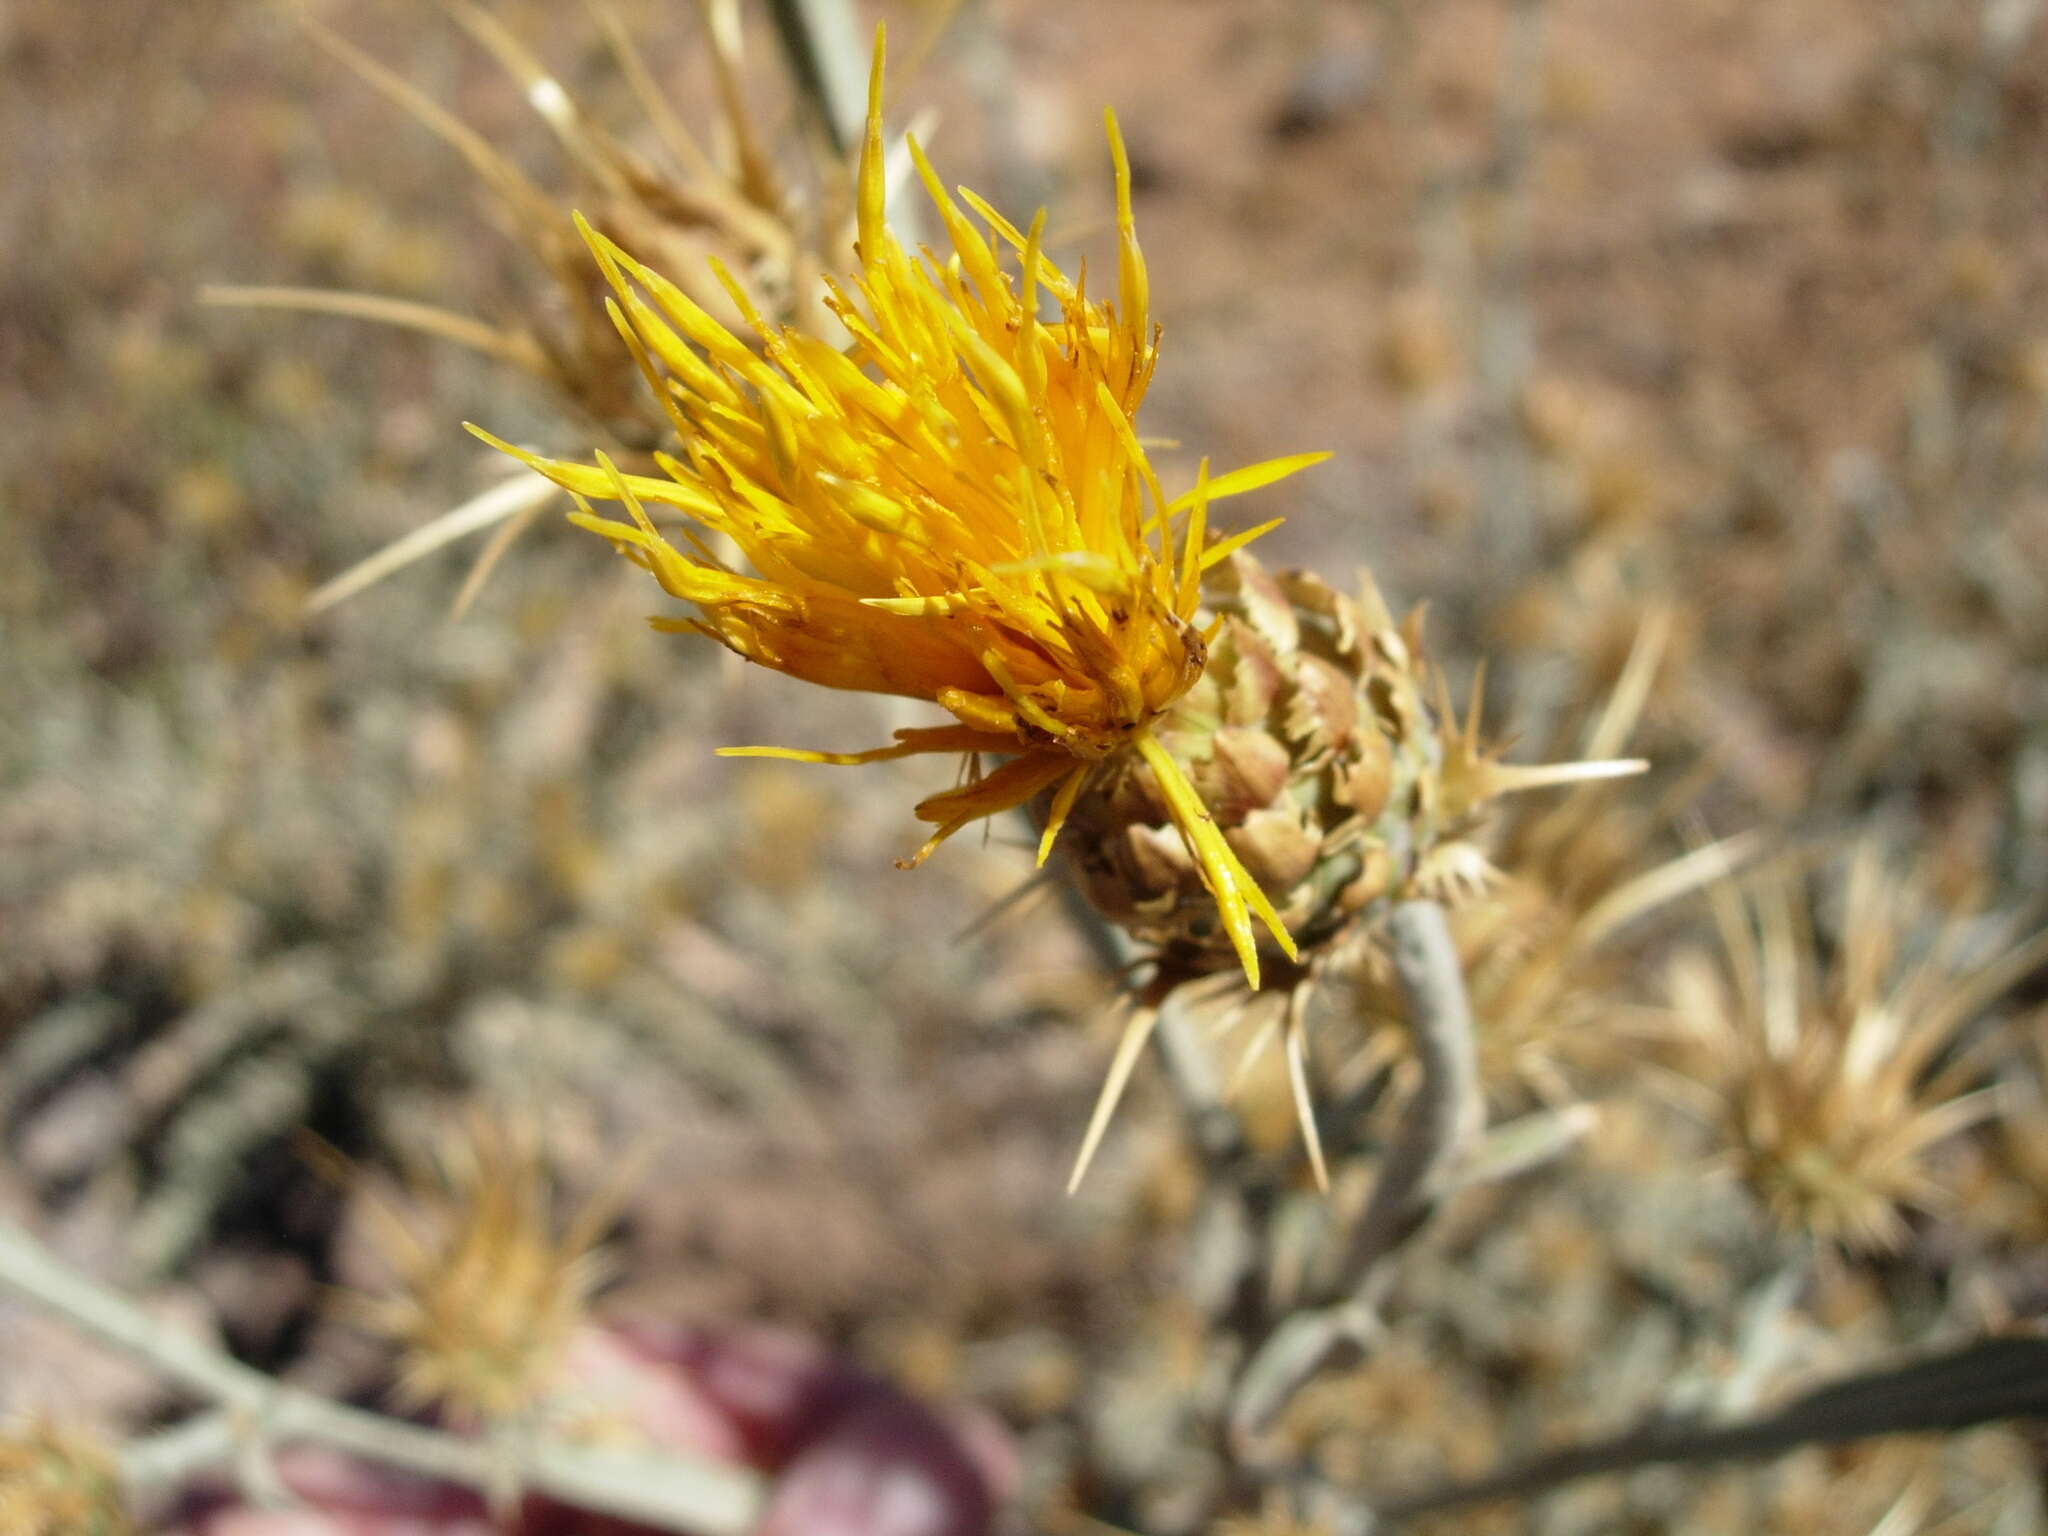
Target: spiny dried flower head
(1322, 743)
(487, 1286)
(1833, 1075)
(681, 202)
(957, 509)
(54, 1484)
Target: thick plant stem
(667, 1491)
(1440, 1124)
(1447, 1113)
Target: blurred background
(1733, 318)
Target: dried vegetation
(1690, 361)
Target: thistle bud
(1319, 738)
(1322, 743)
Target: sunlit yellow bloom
(957, 508)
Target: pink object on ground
(846, 1453)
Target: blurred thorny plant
(57, 1484)
(206, 940)
(1546, 946)
(286, 897)
(745, 228)
(487, 1281)
(1837, 1059)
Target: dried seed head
(487, 1287)
(53, 1484)
(678, 202)
(741, 239)
(1835, 1071)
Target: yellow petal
(1062, 805)
(1223, 549)
(1230, 883)
(1251, 477)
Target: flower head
(1321, 739)
(1834, 1077)
(956, 508)
(668, 195)
(680, 200)
(487, 1286)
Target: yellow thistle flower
(957, 509)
